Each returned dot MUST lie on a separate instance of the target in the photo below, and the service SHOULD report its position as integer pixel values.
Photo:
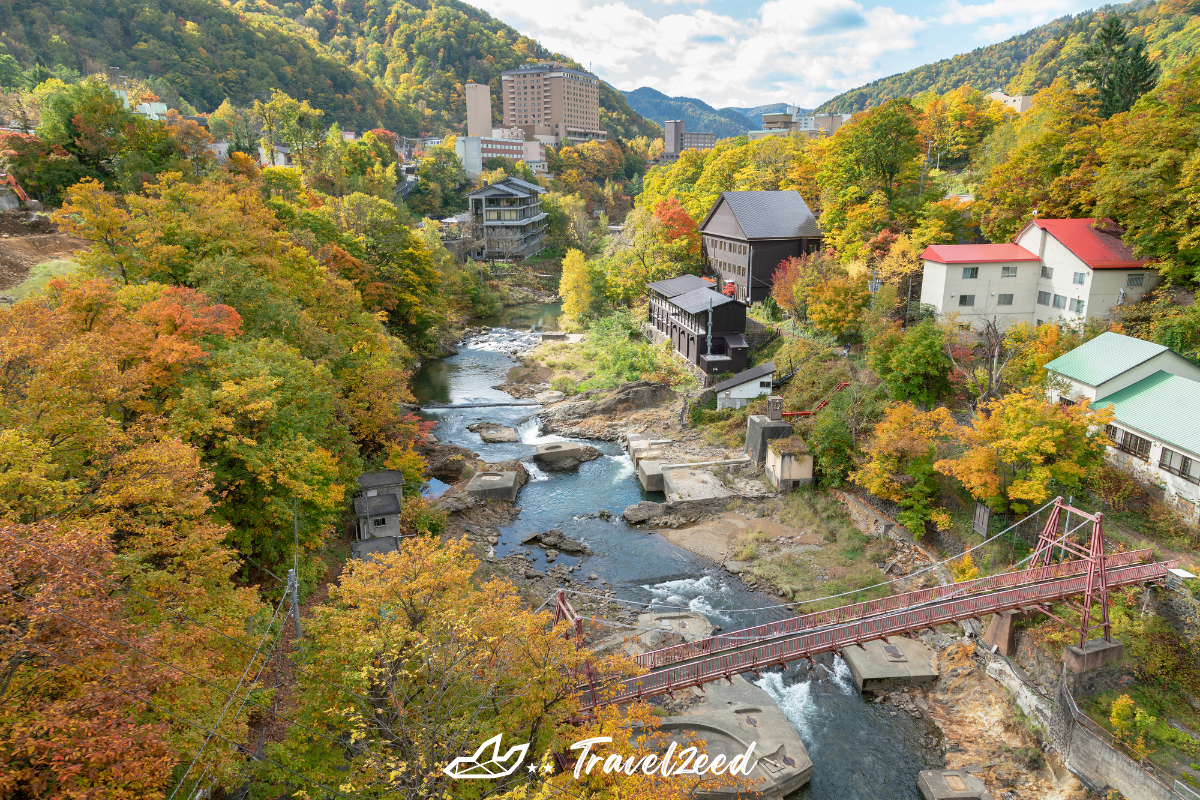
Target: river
(859, 749)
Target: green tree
(917, 368)
(1119, 69)
(441, 180)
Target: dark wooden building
(680, 309)
(747, 234)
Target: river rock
(551, 555)
(554, 539)
(446, 461)
(634, 397)
(549, 397)
(493, 432)
(641, 512)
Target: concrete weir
(951, 784)
(692, 484)
(899, 661)
(494, 485)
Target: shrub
(565, 384)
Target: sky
(745, 53)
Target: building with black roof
(509, 212)
(379, 503)
(681, 310)
(747, 234)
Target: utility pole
(928, 152)
(294, 572)
(710, 326)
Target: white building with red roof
(1056, 270)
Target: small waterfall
(535, 472)
(697, 594)
(843, 677)
(795, 700)
(626, 463)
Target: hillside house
(1155, 396)
(509, 212)
(1056, 270)
(747, 234)
(380, 499)
(738, 391)
(704, 326)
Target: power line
(181, 614)
(193, 723)
(233, 697)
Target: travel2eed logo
(690, 761)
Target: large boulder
(554, 539)
(493, 432)
(634, 397)
(446, 461)
(642, 512)
(564, 455)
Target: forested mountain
(1032, 60)
(697, 115)
(364, 62)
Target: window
(1004, 300)
(1129, 442)
(1077, 306)
(1043, 300)
(379, 522)
(1079, 278)
(1060, 301)
(764, 384)
(1181, 465)
(966, 299)
(1008, 272)
(970, 272)
(1047, 273)
(1136, 280)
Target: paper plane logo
(487, 762)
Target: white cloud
(787, 52)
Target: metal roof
(388, 477)
(1104, 358)
(1097, 244)
(770, 215)
(699, 300)
(673, 287)
(752, 374)
(511, 186)
(379, 504)
(1164, 406)
(977, 253)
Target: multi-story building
(479, 108)
(1056, 270)
(551, 99)
(676, 139)
(704, 326)
(509, 213)
(1020, 104)
(747, 234)
(784, 123)
(474, 151)
(1155, 396)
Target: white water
(796, 701)
(701, 595)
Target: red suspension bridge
(1053, 576)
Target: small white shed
(738, 391)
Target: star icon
(532, 768)
(547, 767)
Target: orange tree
(433, 664)
(900, 459)
(836, 305)
(1017, 446)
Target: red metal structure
(820, 405)
(802, 637)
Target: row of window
(969, 299)
(1170, 461)
(736, 269)
(1058, 301)
(1079, 278)
(716, 245)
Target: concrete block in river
(760, 429)
(951, 784)
(651, 476)
(564, 455)
(693, 484)
(494, 485)
(898, 662)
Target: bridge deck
(839, 636)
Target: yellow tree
(836, 306)
(900, 460)
(576, 287)
(1019, 444)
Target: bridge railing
(870, 608)
(839, 637)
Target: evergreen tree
(1118, 68)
